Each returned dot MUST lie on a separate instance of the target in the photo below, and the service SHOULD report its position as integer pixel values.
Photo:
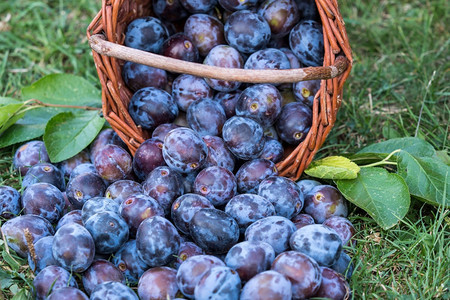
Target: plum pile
(198, 233)
(199, 212)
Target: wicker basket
(106, 38)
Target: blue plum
(233, 5)
(333, 285)
(113, 163)
(267, 285)
(206, 117)
(97, 205)
(268, 58)
(344, 265)
(305, 91)
(184, 208)
(303, 272)
(228, 100)
(109, 231)
(187, 249)
(157, 241)
(42, 256)
(137, 208)
(105, 137)
(158, 283)
(251, 173)
(284, 194)
(73, 247)
(248, 208)
(10, 204)
(318, 241)
(274, 230)
(170, 10)
(325, 201)
(129, 262)
(188, 89)
(44, 172)
(247, 31)
(84, 187)
(204, 31)
(113, 290)
(281, 15)
(250, 258)
(198, 6)
(161, 131)
(293, 60)
(243, 137)
(68, 165)
(226, 57)
(218, 283)
(214, 230)
(307, 184)
(147, 157)
(83, 168)
(45, 200)
(306, 41)
(67, 293)
(192, 270)
(273, 150)
(308, 10)
(150, 107)
(100, 271)
(164, 185)
(51, 278)
(16, 229)
(260, 102)
(294, 122)
(301, 220)
(218, 153)
(179, 46)
(184, 150)
(73, 216)
(122, 189)
(28, 155)
(344, 228)
(137, 76)
(217, 184)
(147, 33)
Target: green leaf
(21, 295)
(428, 178)
(19, 133)
(415, 146)
(8, 100)
(68, 133)
(333, 167)
(13, 264)
(10, 114)
(383, 195)
(31, 126)
(7, 111)
(63, 89)
(443, 155)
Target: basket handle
(100, 45)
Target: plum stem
(385, 161)
(36, 102)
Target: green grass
(398, 87)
